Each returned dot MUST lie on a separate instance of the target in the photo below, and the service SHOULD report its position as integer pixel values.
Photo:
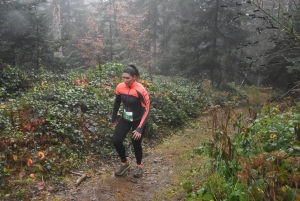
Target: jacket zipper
(127, 101)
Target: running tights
(121, 131)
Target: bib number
(128, 116)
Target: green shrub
(264, 162)
(271, 131)
(216, 186)
(66, 117)
(13, 82)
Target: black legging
(121, 131)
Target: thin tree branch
(290, 30)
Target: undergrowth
(59, 120)
(254, 153)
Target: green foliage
(272, 131)
(66, 118)
(13, 82)
(174, 100)
(200, 195)
(265, 160)
(234, 91)
(216, 186)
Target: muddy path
(166, 167)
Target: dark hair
(131, 70)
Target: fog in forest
(216, 108)
(243, 42)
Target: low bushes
(62, 119)
(258, 160)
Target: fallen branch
(76, 173)
(80, 179)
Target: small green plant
(201, 194)
(216, 186)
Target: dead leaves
(42, 186)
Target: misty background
(243, 42)
(222, 74)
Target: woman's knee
(117, 142)
(137, 144)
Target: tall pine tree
(203, 40)
(23, 34)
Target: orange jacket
(135, 99)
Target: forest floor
(167, 166)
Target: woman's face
(128, 79)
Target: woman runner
(136, 105)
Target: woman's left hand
(136, 135)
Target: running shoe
(138, 172)
(122, 169)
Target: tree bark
(57, 26)
(37, 43)
(111, 32)
(216, 18)
(153, 13)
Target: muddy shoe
(138, 172)
(122, 169)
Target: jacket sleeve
(116, 108)
(145, 101)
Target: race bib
(128, 115)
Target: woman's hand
(136, 135)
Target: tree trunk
(153, 13)
(57, 26)
(111, 33)
(216, 18)
(37, 43)
(216, 22)
(290, 6)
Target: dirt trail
(166, 167)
